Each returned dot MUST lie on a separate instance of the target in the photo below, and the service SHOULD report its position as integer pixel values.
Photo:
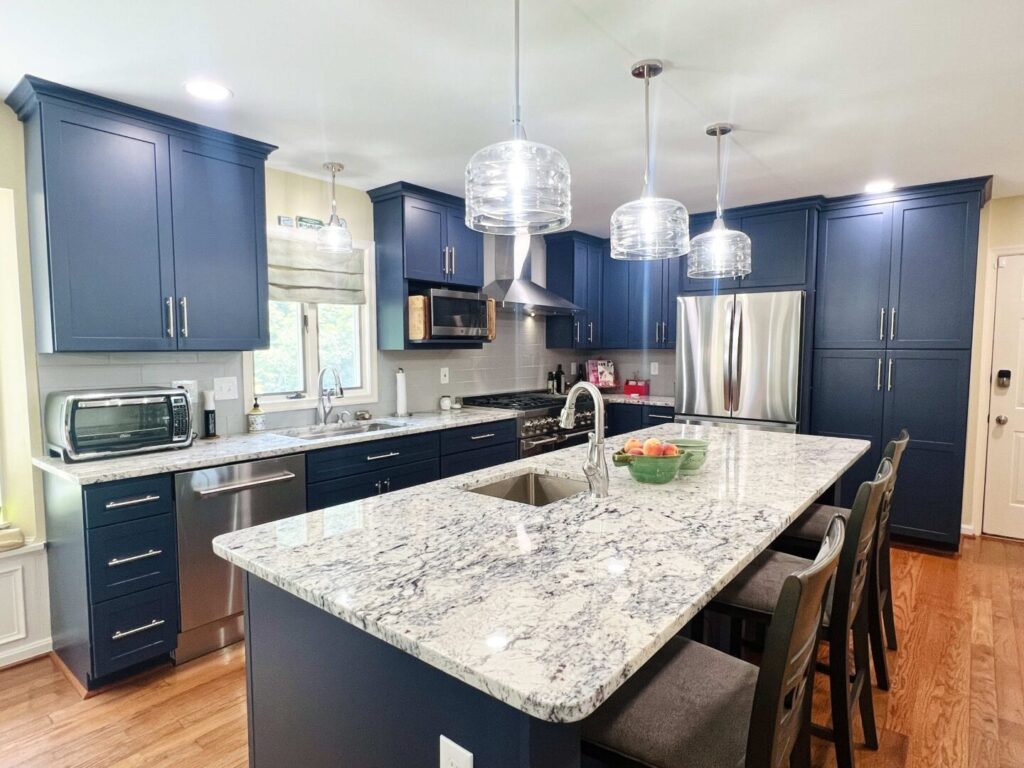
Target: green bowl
(695, 453)
(650, 469)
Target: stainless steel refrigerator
(738, 358)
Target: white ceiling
(826, 95)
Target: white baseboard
(27, 651)
(966, 529)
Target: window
(306, 337)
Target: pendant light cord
(718, 178)
(647, 132)
(517, 115)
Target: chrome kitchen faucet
(595, 467)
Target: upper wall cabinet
(574, 272)
(652, 290)
(436, 244)
(782, 237)
(899, 274)
(147, 233)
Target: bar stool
(691, 705)
(751, 597)
(802, 536)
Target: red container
(637, 387)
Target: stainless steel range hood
(508, 264)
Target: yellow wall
(289, 194)
(20, 431)
(1002, 230)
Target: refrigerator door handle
(727, 358)
(737, 354)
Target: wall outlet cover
(445, 376)
(654, 369)
(189, 385)
(226, 388)
(454, 756)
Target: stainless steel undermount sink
(337, 429)
(533, 488)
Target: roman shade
(299, 272)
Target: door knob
(1000, 420)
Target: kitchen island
(374, 627)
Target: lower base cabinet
(629, 417)
(872, 395)
(367, 484)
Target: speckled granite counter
(547, 609)
(262, 445)
(619, 399)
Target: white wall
(24, 604)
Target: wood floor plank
(957, 697)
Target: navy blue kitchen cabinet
(614, 302)
(574, 271)
(932, 277)
(220, 247)
(652, 290)
(623, 418)
(120, 221)
(656, 415)
(421, 241)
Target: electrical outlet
(225, 388)
(454, 756)
(189, 385)
(444, 375)
(654, 369)
(572, 369)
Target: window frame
(365, 395)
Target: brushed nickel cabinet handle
(590, 332)
(659, 416)
(388, 455)
(482, 437)
(132, 502)
(892, 324)
(119, 635)
(577, 325)
(878, 377)
(888, 383)
(881, 325)
(184, 315)
(453, 260)
(169, 303)
(115, 561)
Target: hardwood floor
(957, 697)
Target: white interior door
(1004, 474)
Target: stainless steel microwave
(96, 424)
(457, 314)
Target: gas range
(537, 419)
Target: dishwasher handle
(245, 485)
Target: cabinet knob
(1001, 420)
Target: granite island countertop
(248, 447)
(547, 609)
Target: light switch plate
(654, 369)
(189, 385)
(454, 756)
(225, 388)
(444, 375)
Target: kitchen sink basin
(534, 488)
(338, 429)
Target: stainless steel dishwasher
(218, 500)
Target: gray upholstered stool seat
(813, 523)
(757, 587)
(690, 706)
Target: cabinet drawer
(470, 461)
(477, 436)
(364, 485)
(655, 415)
(128, 557)
(134, 628)
(372, 456)
(127, 500)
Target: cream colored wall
(20, 432)
(289, 194)
(1002, 232)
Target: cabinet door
(467, 260)
(853, 277)
(673, 284)
(220, 247)
(779, 243)
(424, 240)
(926, 393)
(646, 304)
(614, 302)
(623, 418)
(934, 259)
(593, 256)
(108, 213)
(847, 401)
(657, 415)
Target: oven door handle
(542, 441)
(576, 434)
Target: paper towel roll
(402, 401)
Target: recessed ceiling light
(207, 90)
(879, 185)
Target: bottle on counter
(257, 422)
(209, 414)
(559, 380)
(551, 382)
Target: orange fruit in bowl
(669, 450)
(631, 444)
(652, 447)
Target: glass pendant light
(720, 252)
(334, 237)
(651, 227)
(517, 187)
